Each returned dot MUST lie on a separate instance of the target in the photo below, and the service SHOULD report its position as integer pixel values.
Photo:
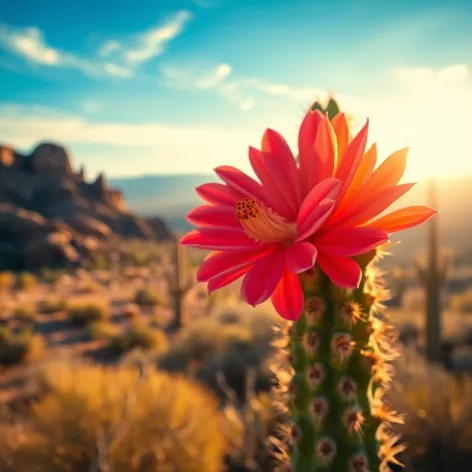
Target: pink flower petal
(372, 206)
(342, 271)
(226, 278)
(260, 282)
(364, 171)
(351, 160)
(270, 174)
(300, 257)
(241, 182)
(343, 137)
(324, 153)
(388, 174)
(306, 140)
(317, 207)
(351, 241)
(288, 296)
(403, 219)
(221, 262)
(283, 166)
(218, 239)
(219, 194)
(214, 215)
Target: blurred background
(112, 358)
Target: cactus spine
(433, 276)
(338, 353)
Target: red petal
(241, 182)
(341, 129)
(388, 174)
(352, 241)
(403, 219)
(228, 261)
(218, 239)
(317, 207)
(300, 257)
(260, 282)
(324, 153)
(352, 159)
(342, 271)
(219, 194)
(374, 205)
(306, 139)
(214, 215)
(364, 171)
(288, 297)
(226, 278)
(276, 187)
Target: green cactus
(338, 352)
(179, 285)
(433, 277)
(332, 107)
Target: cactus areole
(305, 235)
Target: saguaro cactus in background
(179, 285)
(433, 276)
(305, 235)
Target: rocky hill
(50, 216)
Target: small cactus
(433, 277)
(338, 351)
(179, 285)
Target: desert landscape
(235, 236)
(113, 358)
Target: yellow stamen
(262, 224)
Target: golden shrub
(112, 418)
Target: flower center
(262, 224)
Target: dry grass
(52, 305)
(7, 281)
(142, 337)
(438, 407)
(102, 330)
(25, 281)
(229, 341)
(147, 297)
(21, 346)
(81, 314)
(462, 303)
(97, 419)
(25, 313)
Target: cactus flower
(306, 234)
(317, 211)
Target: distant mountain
(172, 196)
(50, 216)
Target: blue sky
(183, 86)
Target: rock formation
(50, 216)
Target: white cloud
(240, 90)
(152, 42)
(118, 71)
(108, 47)
(30, 44)
(155, 147)
(89, 107)
(217, 78)
(146, 45)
